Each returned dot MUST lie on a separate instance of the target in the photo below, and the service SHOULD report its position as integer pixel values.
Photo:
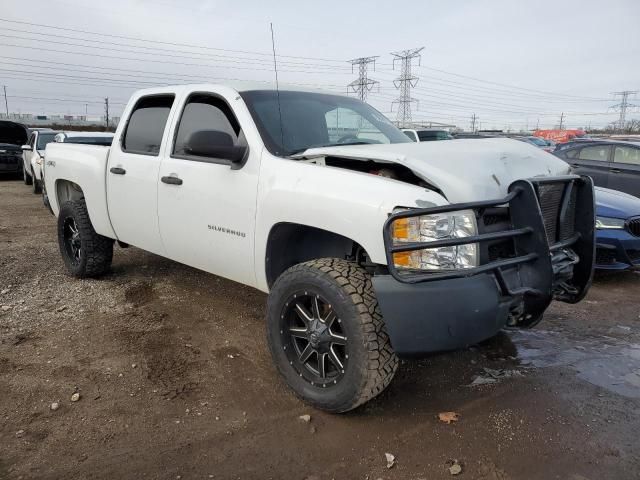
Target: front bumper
(550, 256)
(617, 250)
(10, 163)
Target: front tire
(37, 184)
(85, 253)
(26, 177)
(327, 336)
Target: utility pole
(6, 104)
(363, 84)
(106, 110)
(623, 105)
(405, 82)
(561, 121)
(474, 119)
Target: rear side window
(627, 155)
(205, 112)
(598, 153)
(146, 125)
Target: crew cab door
(207, 205)
(132, 173)
(624, 174)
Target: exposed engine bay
(390, 170)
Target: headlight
(439, 226)
(608, 223)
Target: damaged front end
(534, 245)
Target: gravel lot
(175, 381)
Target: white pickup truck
(370, 246)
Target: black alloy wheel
(313, 339)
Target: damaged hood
(464, 170)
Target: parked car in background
(617, 230)
(560, 136)
(612, 164)
(33, 157)
(545, 145)
(426, 135)
(12, 136)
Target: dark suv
(12, 136)
(612, 164)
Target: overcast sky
(512, 63)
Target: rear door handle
(117, 170)
(172, 180)
(614, 170)
(575, 164)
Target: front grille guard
(533, 253)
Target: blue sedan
(618, 230)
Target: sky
(514, 64)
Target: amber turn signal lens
(401, 229)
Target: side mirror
(214, 144)
(27, 148)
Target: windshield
(90, 140)
(538, 141)
(43, 139)
(317, 120)
(426, 135)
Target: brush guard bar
(552, 226)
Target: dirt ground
(175, 381)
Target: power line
(363, 84)
(139, 39)
(405, 82)
(143, 59)
(150, 50)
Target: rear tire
(84, 252)
(37, 185)
(313, 304)
(26, 177)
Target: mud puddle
(607, 362)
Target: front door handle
(614, 170)
(172, 180)
(575, 165)
(117, 170)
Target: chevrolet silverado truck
(370, 246)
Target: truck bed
(84, 165)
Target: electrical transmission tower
(405, 82)
(363, 84)
(623, 105)
(474, 120)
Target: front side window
(291, 122)
(599, 153)
(146, 125)
(204, 112)
(627, 155)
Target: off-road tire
(371, 363)
(26, 177)
(37, 184)
(96, 251)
